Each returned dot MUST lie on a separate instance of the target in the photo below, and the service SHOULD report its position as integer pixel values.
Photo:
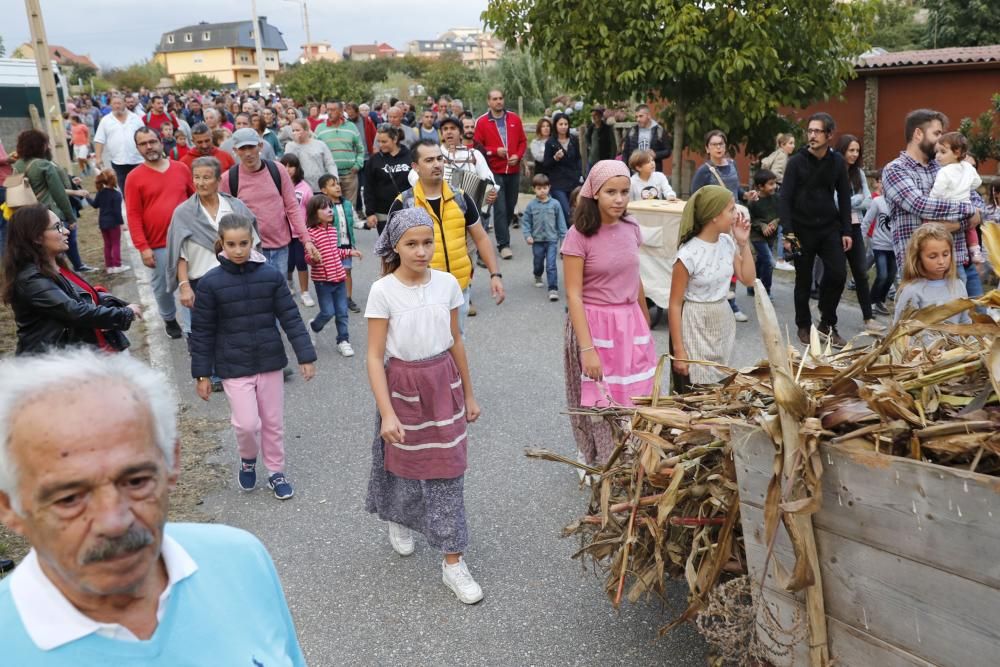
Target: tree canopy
(727, 65)
(196, 81)
(962, 23)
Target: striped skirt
(429, 402)
(709, 334)
(628, 357)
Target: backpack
(407, 198)
(234, 177)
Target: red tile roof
(63, 55)
(930, 57)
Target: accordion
(470, 183)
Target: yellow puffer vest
(450, 251)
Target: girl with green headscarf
(715, 245)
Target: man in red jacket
(152, 192)
(502, 133)
(203, 147)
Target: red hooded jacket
(488, 135)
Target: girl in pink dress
(609, 353)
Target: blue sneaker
(247, 479)
(281, 486)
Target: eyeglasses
(813, 130)
(717, 144)
(58, 227)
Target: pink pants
(257, 404)
(112, 247)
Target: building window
(270, 59)
(207, 36)
(170, 39)
(244, 59)
(197, 59)
(187, 37)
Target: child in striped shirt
(328, 274)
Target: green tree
(984, 132)
(198, 82)
(138, 75)
(3, 49)
(962, 23)
(323, 79)
(896, 27)
(82, 73)
(446, 75)
(727, 65)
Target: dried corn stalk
(666, 504)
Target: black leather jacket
(55, 313)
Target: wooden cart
(909, 554)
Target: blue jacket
(543, 222)
(232, 323)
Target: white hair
(25, 379)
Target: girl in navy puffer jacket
(233, 331)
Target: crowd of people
(227, 205)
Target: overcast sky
(119, 32)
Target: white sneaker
(401, 539)
(741, 316)
(123, 268)
(553, 295)
(307, 300)
(458, 578)
(345, 348)
(539, 283)
(782, 265)
(872, 326)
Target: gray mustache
(133, 540)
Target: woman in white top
(419, 375)
(194, 228)
(543, 130)
(715, 245)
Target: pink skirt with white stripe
(628, 356)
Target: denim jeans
(764, 263)
(73, 254)
(546, 253)
(859, 270)
(332, 301)
(164, 298)
(969, 275)
(562, 196)
(503, 209)
(277, 257)
(121, 173)
(781, 244)
(885, 275)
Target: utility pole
(258, 39)
(47, 83)
(305, 19)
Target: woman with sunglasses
(53, 306)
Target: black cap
(449, 119)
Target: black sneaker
(880, 309)
(217, 386)
(804, 335)
(835, 340)
(174, 329)
(353, 307)
(481, 263)
(6, 565)
(85, 269)
(287, 373)
(247, 478)
(282, 487)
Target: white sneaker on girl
(401, 539)
(458, 578)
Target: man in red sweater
(203, 147)
(152, 192)
(502, 133)
(157, 116)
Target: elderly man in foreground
(108, 581)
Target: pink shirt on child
(610, 262)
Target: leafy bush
(198, 82)
(138, 75)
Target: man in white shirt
(114, 141)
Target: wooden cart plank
(944, 517)
(849, 647)
(933, 614)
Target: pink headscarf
(599, 175)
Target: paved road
(356, 602)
